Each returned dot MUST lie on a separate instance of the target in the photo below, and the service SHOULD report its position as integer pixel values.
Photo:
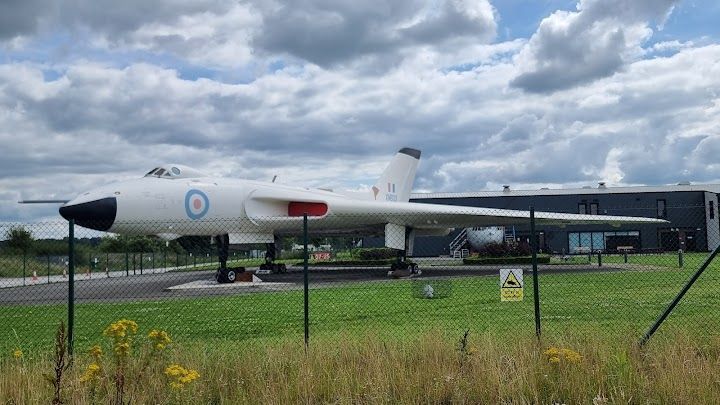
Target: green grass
(604, 303)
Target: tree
(19, 239)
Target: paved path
(155, 284)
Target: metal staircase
(510, 234)
(457, 246)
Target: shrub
(374, 253)
(505, 249)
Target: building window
(620, 241)
(711, 207)
(661, 209)
(594, 209)
(582, 208)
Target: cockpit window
(175, 172)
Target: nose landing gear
(224, 274)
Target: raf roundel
(197, 204)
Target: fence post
(141, 262)
(536, 284)
(24, 264)
(305, 279)
(626, 258)
(71, 286)
(48, 267)
(127, 264)
(679, 297)
(599, 259)
(680, 258)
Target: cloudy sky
(530, 93)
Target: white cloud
(318, 118)
(598, 40)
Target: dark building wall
(685, 211)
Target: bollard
(127, 265)
(680, 258)
(625, 255)
(48, 267)
(599, 259)
(24, 265)
(141, 263)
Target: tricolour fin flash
(397, 180)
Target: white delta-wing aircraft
(175, 200)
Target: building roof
(601, 189)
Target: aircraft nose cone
(99, 214)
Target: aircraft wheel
(226, 276)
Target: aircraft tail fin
(397, 180)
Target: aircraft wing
(345, 212)
(423, 216)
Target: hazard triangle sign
(511, 285)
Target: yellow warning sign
(511, 285)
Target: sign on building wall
(511, 285)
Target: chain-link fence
(594, 278)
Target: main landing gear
(270, 255)
(403, 268)
(224, 274)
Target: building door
(673, 239)
(669, 240)
(687, 241)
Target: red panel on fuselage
(297, 209)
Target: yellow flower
(96, 351)
(121, 328)
(159, 339)
(122, 349)
(92, 373)
(17, 353)
(571, 355)
(552, 352)
(555, 355)
(179, 375)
